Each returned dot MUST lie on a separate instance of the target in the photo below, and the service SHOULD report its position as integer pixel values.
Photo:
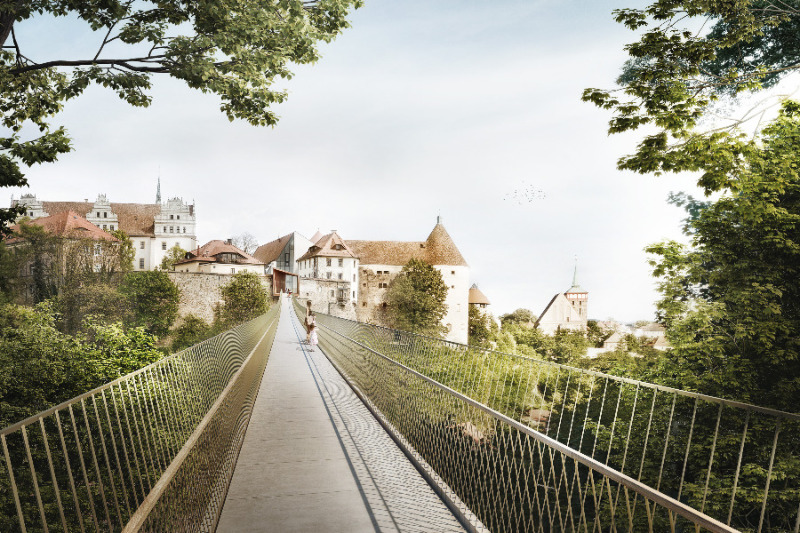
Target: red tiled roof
(269, 252)
(134, 219)
(438, 249)
(331, 245)
(212, 249)
(477, 297)
(67, 224)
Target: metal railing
(737, 463)
(150, 451)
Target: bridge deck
(315, 459)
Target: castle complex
(153, 228)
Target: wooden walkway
(315, 459)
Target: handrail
(646, 491)
(733, 461)
(142, 441)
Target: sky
(468, 110)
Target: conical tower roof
(476, 296)
(441, 250)
(575, 287)
(316, 237)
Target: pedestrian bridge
(381, 430)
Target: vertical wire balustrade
(150, 451)
(737, 463)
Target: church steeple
(158, 191)
(575, 287)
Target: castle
(153, 228)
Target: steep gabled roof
(211, 251)
(317, 236)
(269, 252)
(68, 224)
(331, 245)
(134, 219)
(438, 249)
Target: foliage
(41, 366)
(730, 299)
(174, 254)
(246, 242)
(125, 251)
(233, 49)
(38, 260)
(520, 316)
(244, 298)
(482, 327)
(595, 334)
(677, 73)
(191, 331)
(416, 299)
(152, 299)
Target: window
(286, 258)
(112, 227)
(96, 249)
(171, 217)
(341, 262)
(452, 286)
(105, 227)
(178, 217)
(105, 214)
(233, 271)
(163, 245)
(329, 275)
(354, 295)
(364, 285)
(328, 262)
(171, 228)
(165, 229)
(383, 305)
(354, 277)
(332, 294)
(452, 271)
(363, 304)
(340, 275)
(184, 229)
(98, 214)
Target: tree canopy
(152, 299)
(416, 299)
(677, 72)
(730, 300)
(230, 48)
(244, 298)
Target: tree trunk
(7, 19)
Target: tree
(124, 251)
(41, 366)
(676, 74)
(416, 299)
(730, 300)
(231, 48)
(174, 254)
(520, 316)
(191, 331)
(482, 327)
(245, 298)
(152, 299)
(245, 242)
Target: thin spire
(158, 189)
(575, 273)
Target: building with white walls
(152, 228)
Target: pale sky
(465, 109)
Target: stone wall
(200, 293)
(324, 296)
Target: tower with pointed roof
(158, 191)
(567, 310)
(381, 261)
(577, 297)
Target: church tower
(578, 297)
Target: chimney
(228, 241)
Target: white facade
(200, 267)
(457, 317)
(152, 228)
(333, 269)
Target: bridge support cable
(150, 451)
(525, 442)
